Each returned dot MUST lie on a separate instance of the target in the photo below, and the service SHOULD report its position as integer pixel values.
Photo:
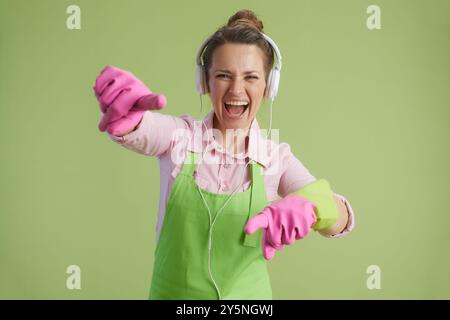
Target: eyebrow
(227, 71)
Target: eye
(252, 77)
(223, 76)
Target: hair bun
(245, 18)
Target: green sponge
(319, 192)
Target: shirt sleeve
(294, 175)
(155, 135)
(351, 218)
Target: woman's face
(236, 84)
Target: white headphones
(272, 82)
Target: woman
(229, 198)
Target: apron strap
(190, 163)
(257, 190)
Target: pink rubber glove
(283, 222)
(123, 100)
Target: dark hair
(243, 27)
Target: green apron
(183, 264)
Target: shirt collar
(257, 144)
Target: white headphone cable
(211, 223)
(270, 118)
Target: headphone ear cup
(269, 85)
(275, 82)
(199, 79)
(204, 82)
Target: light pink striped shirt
(168, 137)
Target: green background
(366, 109)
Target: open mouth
(236, 111)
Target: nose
(236, 86)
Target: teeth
(236, 103)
